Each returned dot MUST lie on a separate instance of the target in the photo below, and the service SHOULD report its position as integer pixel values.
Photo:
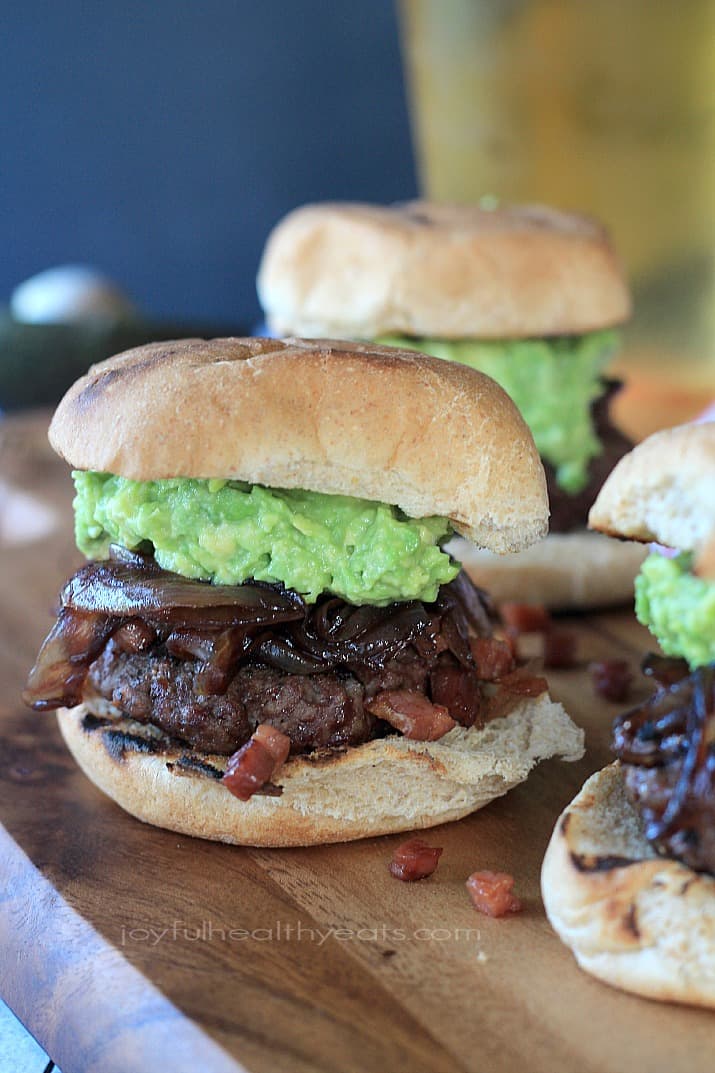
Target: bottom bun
(635, 920)
(387, 785)
(566, 571)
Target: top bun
(429, 436)
(664, 490)
(446, 271)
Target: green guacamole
(552, 381)
(226, 532)
(678, 607)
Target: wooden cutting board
(126, 948)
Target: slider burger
(269, 645)
(629, 875)
(531, 297)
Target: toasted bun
(384, 786)
(664, 490)
(429, 436)
(448, 271)
(635, 920)
(567, 571)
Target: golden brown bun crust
(664, 490)
(384, 786)
(358, 271)
(637, 921)
(430, 436)
(565, 572)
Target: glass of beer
(601, 106)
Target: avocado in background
(553, 383)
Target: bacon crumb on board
(560, 649)
(612, 679)
(414, 860)
(525, 618)
(492, 893)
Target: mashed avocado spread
(678, 607)
(552, 381)
(227, 532)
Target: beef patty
(315, 711)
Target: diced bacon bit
(560, 649)
(524, 684)
(414, 860)
(493, 658)
(275, 741)
(412, 714)
(459, 692)
(509, 636)
(509, 692)
(257, 762)
(525, 618)
(612, 679)
(492, 893)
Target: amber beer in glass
(607, 106)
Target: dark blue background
(160, 141)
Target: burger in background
(528, 295)
(629, 876)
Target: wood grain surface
(126, 948)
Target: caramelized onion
(475, 603)
(134, 636)
(666, 671)
(667, 748)
(124, 590)
(221, 626)
(57, 678)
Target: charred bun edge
(384, 786)
(633, 919)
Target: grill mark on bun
(119, 742)
(126, 372)
(594, 862)
(630, 922)
(92, 722)
(193, 766)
